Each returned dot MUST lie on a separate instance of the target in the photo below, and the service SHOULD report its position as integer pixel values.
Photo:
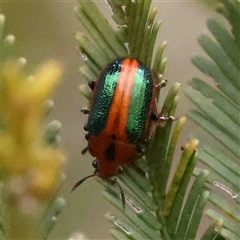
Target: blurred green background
(46, 30)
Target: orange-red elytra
(121, 117)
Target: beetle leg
(84, 150)
(81, 181)
(154, 116)
(91, 84)
(162, 84)
(85, 127)
(87, 136)
(114, 180)
(85, 110)
(163, 119)
(141, 150)
(120, 169)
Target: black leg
(91, 84)
(141, 150)
(85, 110)
(85, 127)
(154, 116)
(87, 136)
(84, 151)
(162, 84)
(81, 181)
(121, 194)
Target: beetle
(122, 118)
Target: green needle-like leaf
(196, 216)
(125, 227)
(174, 215)
(214, 131)
(218, 99)
(225, 39)
(220, 169)
(142, 164)
(220, 58)
(137, 190)
(141, 179)
(228, 234)
(98, 38)
(171, 149)
(178, 176)
(153, 37)
(194, 205)
(144, 7)
(230, 210)
(219, 182)
(160, 144)
(92, 51)
(170, 99)
(134, 7)
(87, 73)
(209, 110)
(213, 231)
(108, 34)
(138, 223)
(232, 14)
(117, 12)
(136, 206)
(159, 56)
(211, 69)
(227, 223)
(222, 158)
(119, 235)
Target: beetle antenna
(81, 181)
(122, 195)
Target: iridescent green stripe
(103, 97)
(139, 105)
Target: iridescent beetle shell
(120, 113)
